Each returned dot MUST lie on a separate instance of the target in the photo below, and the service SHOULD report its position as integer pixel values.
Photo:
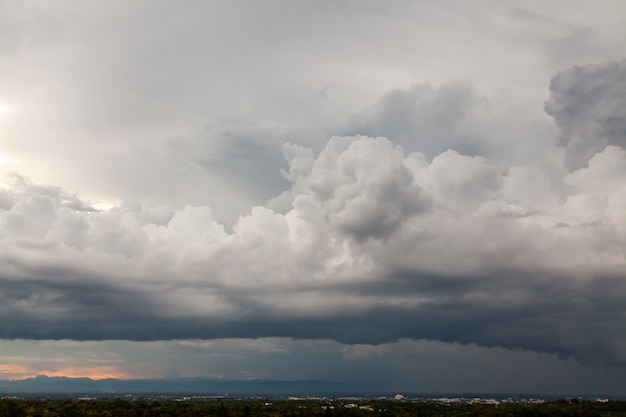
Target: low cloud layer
(408, 366)
(372, 243)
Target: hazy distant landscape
(188, 386)
(106, 388)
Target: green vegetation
(188, 407)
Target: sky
(427, 195)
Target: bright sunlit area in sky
(426, 195)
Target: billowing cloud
(588, 103)
(378, 245)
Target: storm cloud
(378, 245)
(419, 186)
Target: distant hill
(62, 385)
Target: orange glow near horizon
(13, 371)
(17, 372)
(95, 372)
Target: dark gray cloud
(588, 103)
(231, 164)
(551, 315)
(249, 158)
(425, 118)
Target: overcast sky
(427, 194)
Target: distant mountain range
(45, 385)
(42, 384)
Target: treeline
(11, 407)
